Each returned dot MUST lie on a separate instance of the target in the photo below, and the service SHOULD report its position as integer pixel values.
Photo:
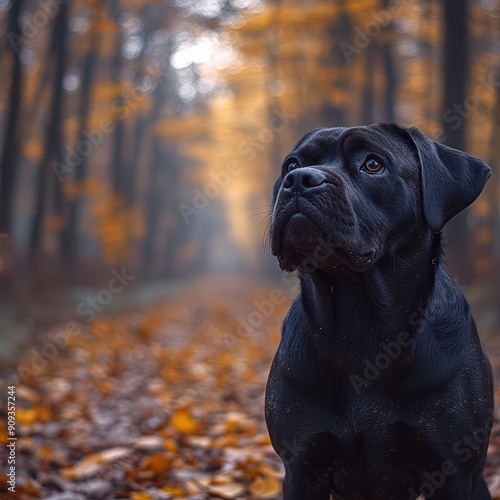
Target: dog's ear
(451, 179)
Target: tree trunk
(53, 138)
(69, 235)
(456, 64)
(11, 146)
(368, 109)
(117, 161)
(389, 71)
(493, 221)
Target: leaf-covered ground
(163, 404)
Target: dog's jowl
(379, 388)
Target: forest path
(159, 404)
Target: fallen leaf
(228, 491)
(27, 393)
(148, 442)
(175, 491)
(156, 465)
(26, 416)
(264, 487)
(183, 422)
(91, 464)
(140, 496)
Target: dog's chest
(368, 427)
(366, 422)
(370, 445)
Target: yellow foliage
(182, 127)
(183, 422)
(107, 92)
(136, 495)
(289, 17)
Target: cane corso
(379, 388)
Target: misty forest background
(114, 114)
(141, 138)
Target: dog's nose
(302, 179)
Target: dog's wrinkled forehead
(328, 144)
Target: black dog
(379, 388)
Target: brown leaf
(157, 465)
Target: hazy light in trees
(130, 24)
(207, 83)
(71, 81)
(208, 49)
(25, 18)
(159, 38)
(132, 47)
(79, 24)
(187, 91)
(405, 26)
(147, 85)
(252, 5)
(198, 52)
(207, 8)
(408, 48)
(27, 57)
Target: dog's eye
(372, 166)
(292, 164)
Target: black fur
(379, 388)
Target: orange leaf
(263, 487)
(175, 491)
(136, 495)
(26, 416)
(183, 422)
(157, 465)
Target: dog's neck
(387, 295)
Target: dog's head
(355, 195)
